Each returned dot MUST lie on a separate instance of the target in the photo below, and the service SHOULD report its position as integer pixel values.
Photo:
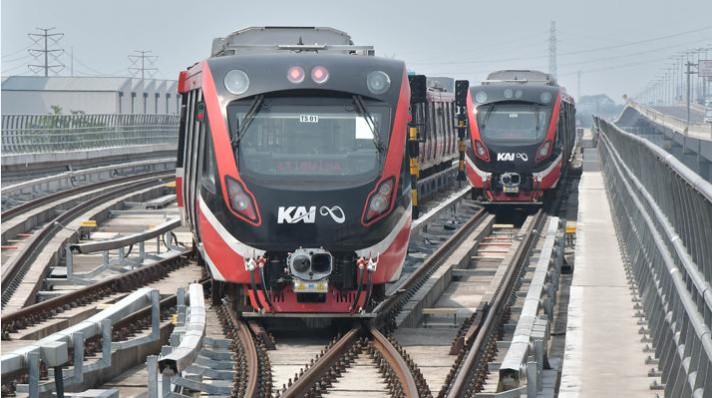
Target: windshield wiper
(369, 120)
(487, 115)
(244, 124)
(536, 115)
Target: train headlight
(545, 97)
(508, 93)
(378, 82)
(240, 202)
(379, 202)
(543, 152)
(481, 97)
(481, 151)
(237, 82)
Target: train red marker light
(319, 74)
(295, 74)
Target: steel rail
(396, 362)
(476, 352)
(251, 355)
(129, 281)
(32, 204)
(19, 264)
(304, 383)
(410, 285)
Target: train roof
(442, 84)
(275, 39)
(520, 76)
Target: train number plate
(321, 286)
(309, 118)
(511, 189)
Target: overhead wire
(590, 50)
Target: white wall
(40, 102)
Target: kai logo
(510, 156)
(307, 215)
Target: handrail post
(155, 315)
(78, 340)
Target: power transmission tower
(46, 39)
(142, 64)
(552, 48)
(689, 74)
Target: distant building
(89, 95)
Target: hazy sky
(462, 39)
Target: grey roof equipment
(275, 39)
(520, 76)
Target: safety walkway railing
(663, 213)
(522, 369)
(56, 350)
(23, 134)
(123, 245)
(192, 355)
(699, 131)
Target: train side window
(187, 159)
(208, 179)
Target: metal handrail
(694, 130)
(653, 201)
(54, 348)
(112, 244)
(73, 174)
(24, 134)
(191, 342)
(514, 365)
(695, 181)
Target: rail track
(480, 259)
(57, 196)
(456, 291)
(18, 265)
(380, 350)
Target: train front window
(513, 122)
(320, 137)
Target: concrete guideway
(604, 355)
